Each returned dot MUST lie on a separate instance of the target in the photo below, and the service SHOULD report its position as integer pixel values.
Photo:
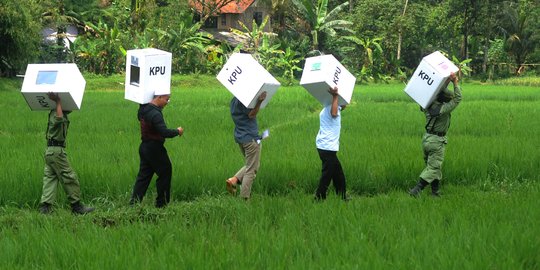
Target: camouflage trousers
(58, 169)
(433, 147)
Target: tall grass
(492, 135)
(520, 81)
(487, 218)
(466, 230)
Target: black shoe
(161, 204)
(319, 197)
(435, 188)
(45, 208)
(79, 209)
(415, 191)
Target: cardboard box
(147, 71)
(246, 79)
(429, 78)
(324, 72)
(64, 79)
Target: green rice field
(487, 218)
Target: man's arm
(452, 104)
(334, 93)
(159, 124)
(253, 113)
(54, 97)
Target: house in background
(50, 34)
(228, 16)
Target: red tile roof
(235, 6)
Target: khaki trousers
(246, 175)
(58, 169)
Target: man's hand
(453, 78)
(53, 96)
(334, 109)
(180, 131)
(253, 113)
(262, 96)
(333, 91)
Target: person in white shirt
(327, 142)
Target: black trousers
(154, 159)
(331, 170)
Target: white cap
(162, 92)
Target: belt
(55, 143)
(441, 134)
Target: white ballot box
(246, 79)
(324, 72)
(64, 79)
(147, 71)
(429, 78)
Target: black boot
(415, 191)
(79, 209)
(435, 188)
(45, 208)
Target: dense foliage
(17, 46)
(377, 40)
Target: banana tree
(189, 43)
(56, 15)
(254, 35)
(320, 21)
(101, 50)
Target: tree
(100, 50)
(320, 21)
(19, 35)
(520, 41)
(486, 29)
(142, 14)
(254, 36)
(465, 13)
(280, 8)
(400, 37)
(190, 44)
(58, 17)
(371, 59)
(387, 19)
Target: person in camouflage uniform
(438, 116)
(57, 167)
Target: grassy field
(488, 217)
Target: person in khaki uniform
(438, 116)
(57, 167)
(246, 134)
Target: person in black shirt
(152, 153)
